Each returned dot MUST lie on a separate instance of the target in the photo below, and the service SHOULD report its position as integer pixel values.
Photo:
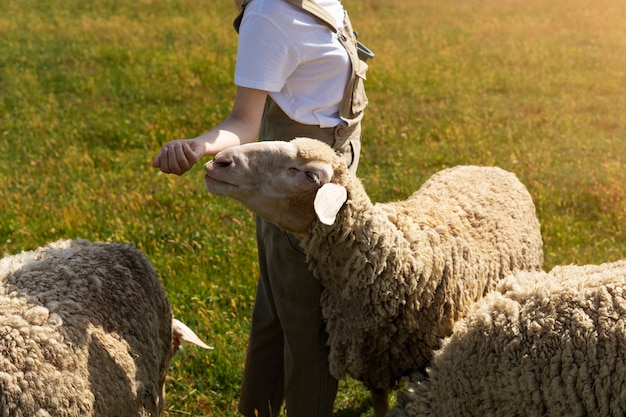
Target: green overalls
(287, 356)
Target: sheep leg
(380, 398)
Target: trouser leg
(310, 390)
(290, 294)
(262, 388)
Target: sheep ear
(181, 332)
(328, 201)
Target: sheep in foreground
(85, 330)
(397, 276)
(540, 345)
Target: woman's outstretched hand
(178, 156)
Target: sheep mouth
(217, 186)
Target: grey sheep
(542, 344)
(398, 275)
(86, 329)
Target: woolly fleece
(397, 276)
(85, 330)
(542, 345)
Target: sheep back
(541, 344)
(85, 330)
(397, 276)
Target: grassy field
(89, 91)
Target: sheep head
(287, 183)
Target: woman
(297, 74)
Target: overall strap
(313, 8)
(317, 11)
(237, 21)
(309, 6)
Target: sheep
(86, 329)
(542, 344)
(398, 275)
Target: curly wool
(397, 276)
(542, 344)
(85, 330)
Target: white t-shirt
(295, 58)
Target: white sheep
(542, 344)
(396, 276)
(85, 330)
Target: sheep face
(277, 180)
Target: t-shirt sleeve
(265, 55)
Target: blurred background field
(90, 91)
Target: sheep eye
(313, 177)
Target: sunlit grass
(91, 90)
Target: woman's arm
(241, 126)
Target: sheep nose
(223, 161)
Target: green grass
(89, 91)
